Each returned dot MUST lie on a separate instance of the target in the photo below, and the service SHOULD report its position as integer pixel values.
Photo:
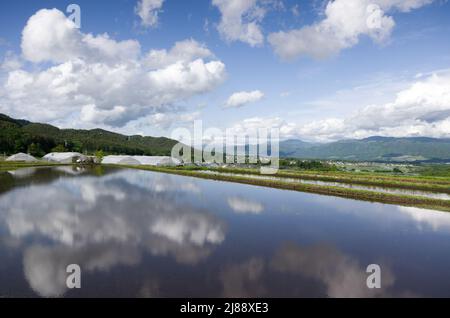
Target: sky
(316, 70)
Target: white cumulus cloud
(240, 99)
(11, 62)
(241, 21)
(148, 11)
(344, 22)
(50, 37)
(421, 109)
(249, 125)
(83, 79)
(182, 51)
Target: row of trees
(307, 164)
(40, 146)
(14, 142)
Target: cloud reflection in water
(99, 223)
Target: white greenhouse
(22, 157)
(157, 161)
(120, 160)
(65, 157)
(141, 161)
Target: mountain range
(18, 135)
(375, 148)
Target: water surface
(144, 234)
(392, 190)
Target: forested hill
(39, 139)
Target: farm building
(65, 157)
(21, 157)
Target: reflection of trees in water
(100, 223)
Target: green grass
(13, 165)
(440, 171)
(397, 199)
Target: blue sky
(325, 71)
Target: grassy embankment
(371, 196)
(425, 183)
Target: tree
(59, 148)
(99, 156)
(35, 150)
(397, 170)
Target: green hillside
(371, 149)
(39, 139)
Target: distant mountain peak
(377, 138)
